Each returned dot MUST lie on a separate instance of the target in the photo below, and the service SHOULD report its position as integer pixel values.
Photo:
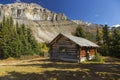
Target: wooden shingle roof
(78, 40)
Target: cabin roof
(78, 40)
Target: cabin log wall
(71, 49)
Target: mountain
(89, 28)
(44, 23)
(30, 11)
(115, 27)
(118, 25)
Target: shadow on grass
(48, 60)
(82, 72)
(93, 67)
(43, 60)
(58, 75)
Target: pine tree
(106, 35)
(80, 32)
(19, 43)
(16, 40)
(116, 43)
(5, 39)
(22, 37)
(32, 41)
(98, 37)
(106, 41)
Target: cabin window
(63, 49)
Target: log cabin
(71, 48)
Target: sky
(94, 11)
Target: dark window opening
(63, 49)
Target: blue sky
(95, 11)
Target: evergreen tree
(98, 37)
(106, 35)
(5, 39)
(80, 32)
(23, 41)
(0, 27)
(16, 40)
(32, 41)
(116, 43)
(106, 41)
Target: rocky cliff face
(44, 23)
(31, 11)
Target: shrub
(98, 58)
(43, 48)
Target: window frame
(63, 49)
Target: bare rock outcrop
(44, 23)
(30, 11)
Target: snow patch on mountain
(117, 25)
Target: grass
(43, 69)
